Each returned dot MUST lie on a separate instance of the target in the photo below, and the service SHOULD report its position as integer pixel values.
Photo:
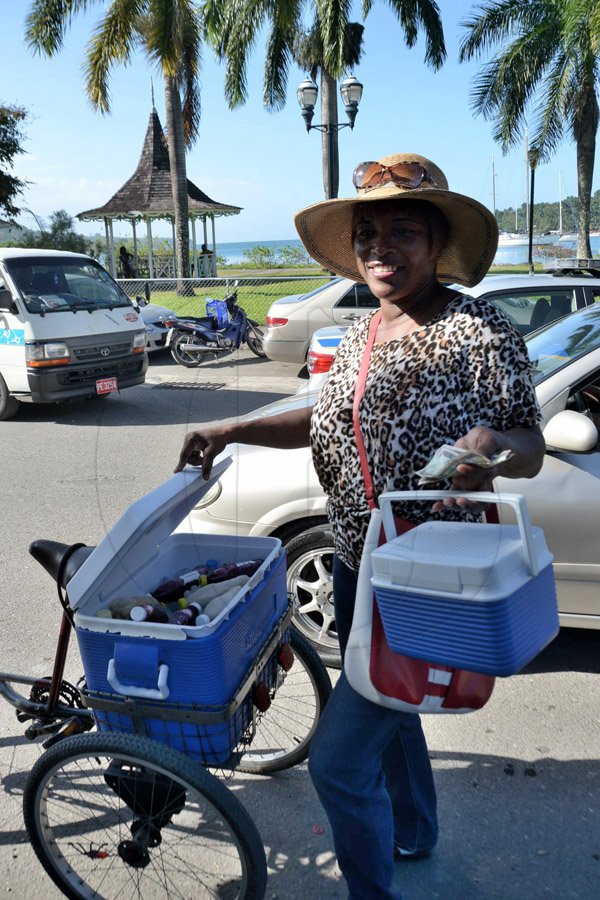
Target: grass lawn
(255, 293)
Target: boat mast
(560, 219)
(493, 188)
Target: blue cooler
(466, 595)
(176, 684)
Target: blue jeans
(370, 767)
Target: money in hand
(447, 458)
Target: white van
(67, 330)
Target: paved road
(518, 781)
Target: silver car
(292, 320)
(276, 492)
(157, 322)
(530, 301)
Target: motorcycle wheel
(187, 358)
(254, 339)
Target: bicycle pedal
(37, 728)
(72, 727)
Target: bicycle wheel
(113, 815)
(285, 730)
(184, 357)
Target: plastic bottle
(120, 607)
(172, 589)
(218, 604)
(231, 570)
(149, 613)
(186, 616)
(208, 592)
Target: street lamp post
(351, 90)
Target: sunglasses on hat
(369, 175)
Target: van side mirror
(6, 300)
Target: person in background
(125, 259)
(443, 368)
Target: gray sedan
(275, 492)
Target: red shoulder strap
(358, 394)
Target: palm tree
(169, 34)
(547, 63)
(331, 46)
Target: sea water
(233, 251)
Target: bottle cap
(182, 603)
(138, 614)
(212, 564)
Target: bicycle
(116, 814)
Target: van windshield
(52, 284)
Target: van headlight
(139, 342)
(55, 353)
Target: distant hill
(546, 216)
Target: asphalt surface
(518, 782)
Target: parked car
(276, 492)
(529, 301)
(292, 320)
(157, 322)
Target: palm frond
(47, 23)
(494, 23)
(112, 42)
(333, 17)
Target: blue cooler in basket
(466, 595)
(175, 670)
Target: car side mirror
(571, 431)
(6, 300)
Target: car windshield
(54, 284)
(564, 341)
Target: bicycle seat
(60, 560)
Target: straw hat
(325, 228)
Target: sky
(264, 162)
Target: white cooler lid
(466, 559)
(134, 538)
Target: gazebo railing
(187, 296)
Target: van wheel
(8, 405)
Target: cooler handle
(517, 501)
(161, 692)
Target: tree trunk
(329, 138)
(176, 147)
(586, 125)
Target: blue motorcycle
(192, 341)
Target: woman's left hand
(473, 478)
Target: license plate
(106, 385)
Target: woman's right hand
(200, 448)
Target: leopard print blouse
(468, 366)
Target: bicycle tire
(284, 732)
(107, 811)
(183, 357)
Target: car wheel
(310, 581)
(9, 405)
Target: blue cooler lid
(135, 537)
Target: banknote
(446, 459)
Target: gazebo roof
(148, 192)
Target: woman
(443, 368)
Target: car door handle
(351, 317)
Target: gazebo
(147, 195)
